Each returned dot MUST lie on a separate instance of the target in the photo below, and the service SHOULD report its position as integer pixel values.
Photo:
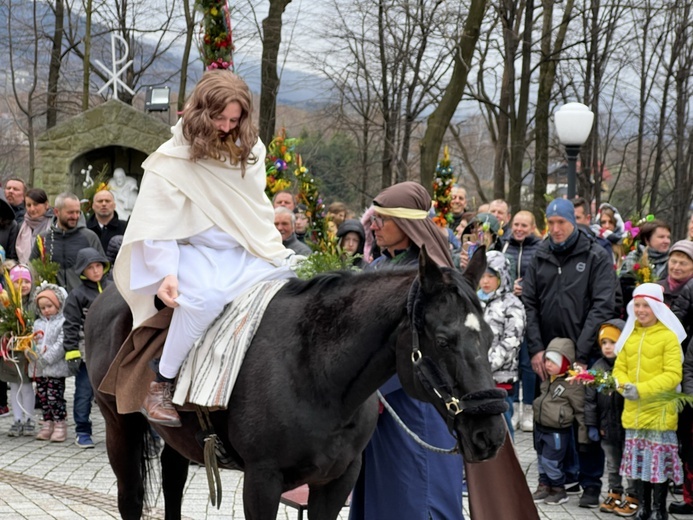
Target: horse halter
(437, 383)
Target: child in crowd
(50, 368)
(22, 392)
(505, 314)
(92, 267)
(603, 419)
(559, 404)
(648, 362)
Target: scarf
(676, 285)
(564, 246)
(29, 230)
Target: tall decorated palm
(216, 43)
(442, 189)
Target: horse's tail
(149, 452)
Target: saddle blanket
(209, 372)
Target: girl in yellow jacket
(648, 362)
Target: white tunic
(212, 269)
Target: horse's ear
(430, 274)
(476, 267)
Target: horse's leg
(124, 443)
(326, 502)
(174, 473)
(262, 489)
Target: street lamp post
(573, 125)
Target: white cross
(115, 73)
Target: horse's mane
(336, 279)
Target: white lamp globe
(573, 123)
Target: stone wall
(112, 124)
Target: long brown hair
(211, 96)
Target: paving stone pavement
(43, 480)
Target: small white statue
(125, 190)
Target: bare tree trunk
(518, 143)
(271, 40)
(547, 76)
(439, 120)
(87, 55)
(189, 32)
(54, 67)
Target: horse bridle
(437, 383)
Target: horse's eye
(442, 342)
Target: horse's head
(448, 365)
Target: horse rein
(437, 383)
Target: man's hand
(74, 361)
(517, 287)
(168, 291)
(538, 365)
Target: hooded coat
(505, 314)
(354, 226)
(612, 236)
(650, 360)
(49, 346)
(560, 403)
(81, 298)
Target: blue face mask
(484, 297)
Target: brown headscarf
(397, 202)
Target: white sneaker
(516, 416)
(527, 423)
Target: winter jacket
(354, 226)
(505, 314)
(659, 261)
(81, 298)
(651, 360)
(687, 382)
(569, 295)
(49, 347)
(63, 246)
(113, 228)
(10, 230)
(604, 410)
(520, 254)
(560, 403)
(681, 303)
(614, 236)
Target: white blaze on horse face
(472, 322)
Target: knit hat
(20, 272)
(561, 208)
(559, 360)
(608, 331)
(50, 295)
(683, 246)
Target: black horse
(304, 405)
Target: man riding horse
(202, 230)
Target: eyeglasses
(379, 221)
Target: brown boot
(59, 431)
(157, 406)
(45, 432)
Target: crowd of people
(580, 296)
(77, 246)
(592, 292)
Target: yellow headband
(406, 213)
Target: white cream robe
(209, 226)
